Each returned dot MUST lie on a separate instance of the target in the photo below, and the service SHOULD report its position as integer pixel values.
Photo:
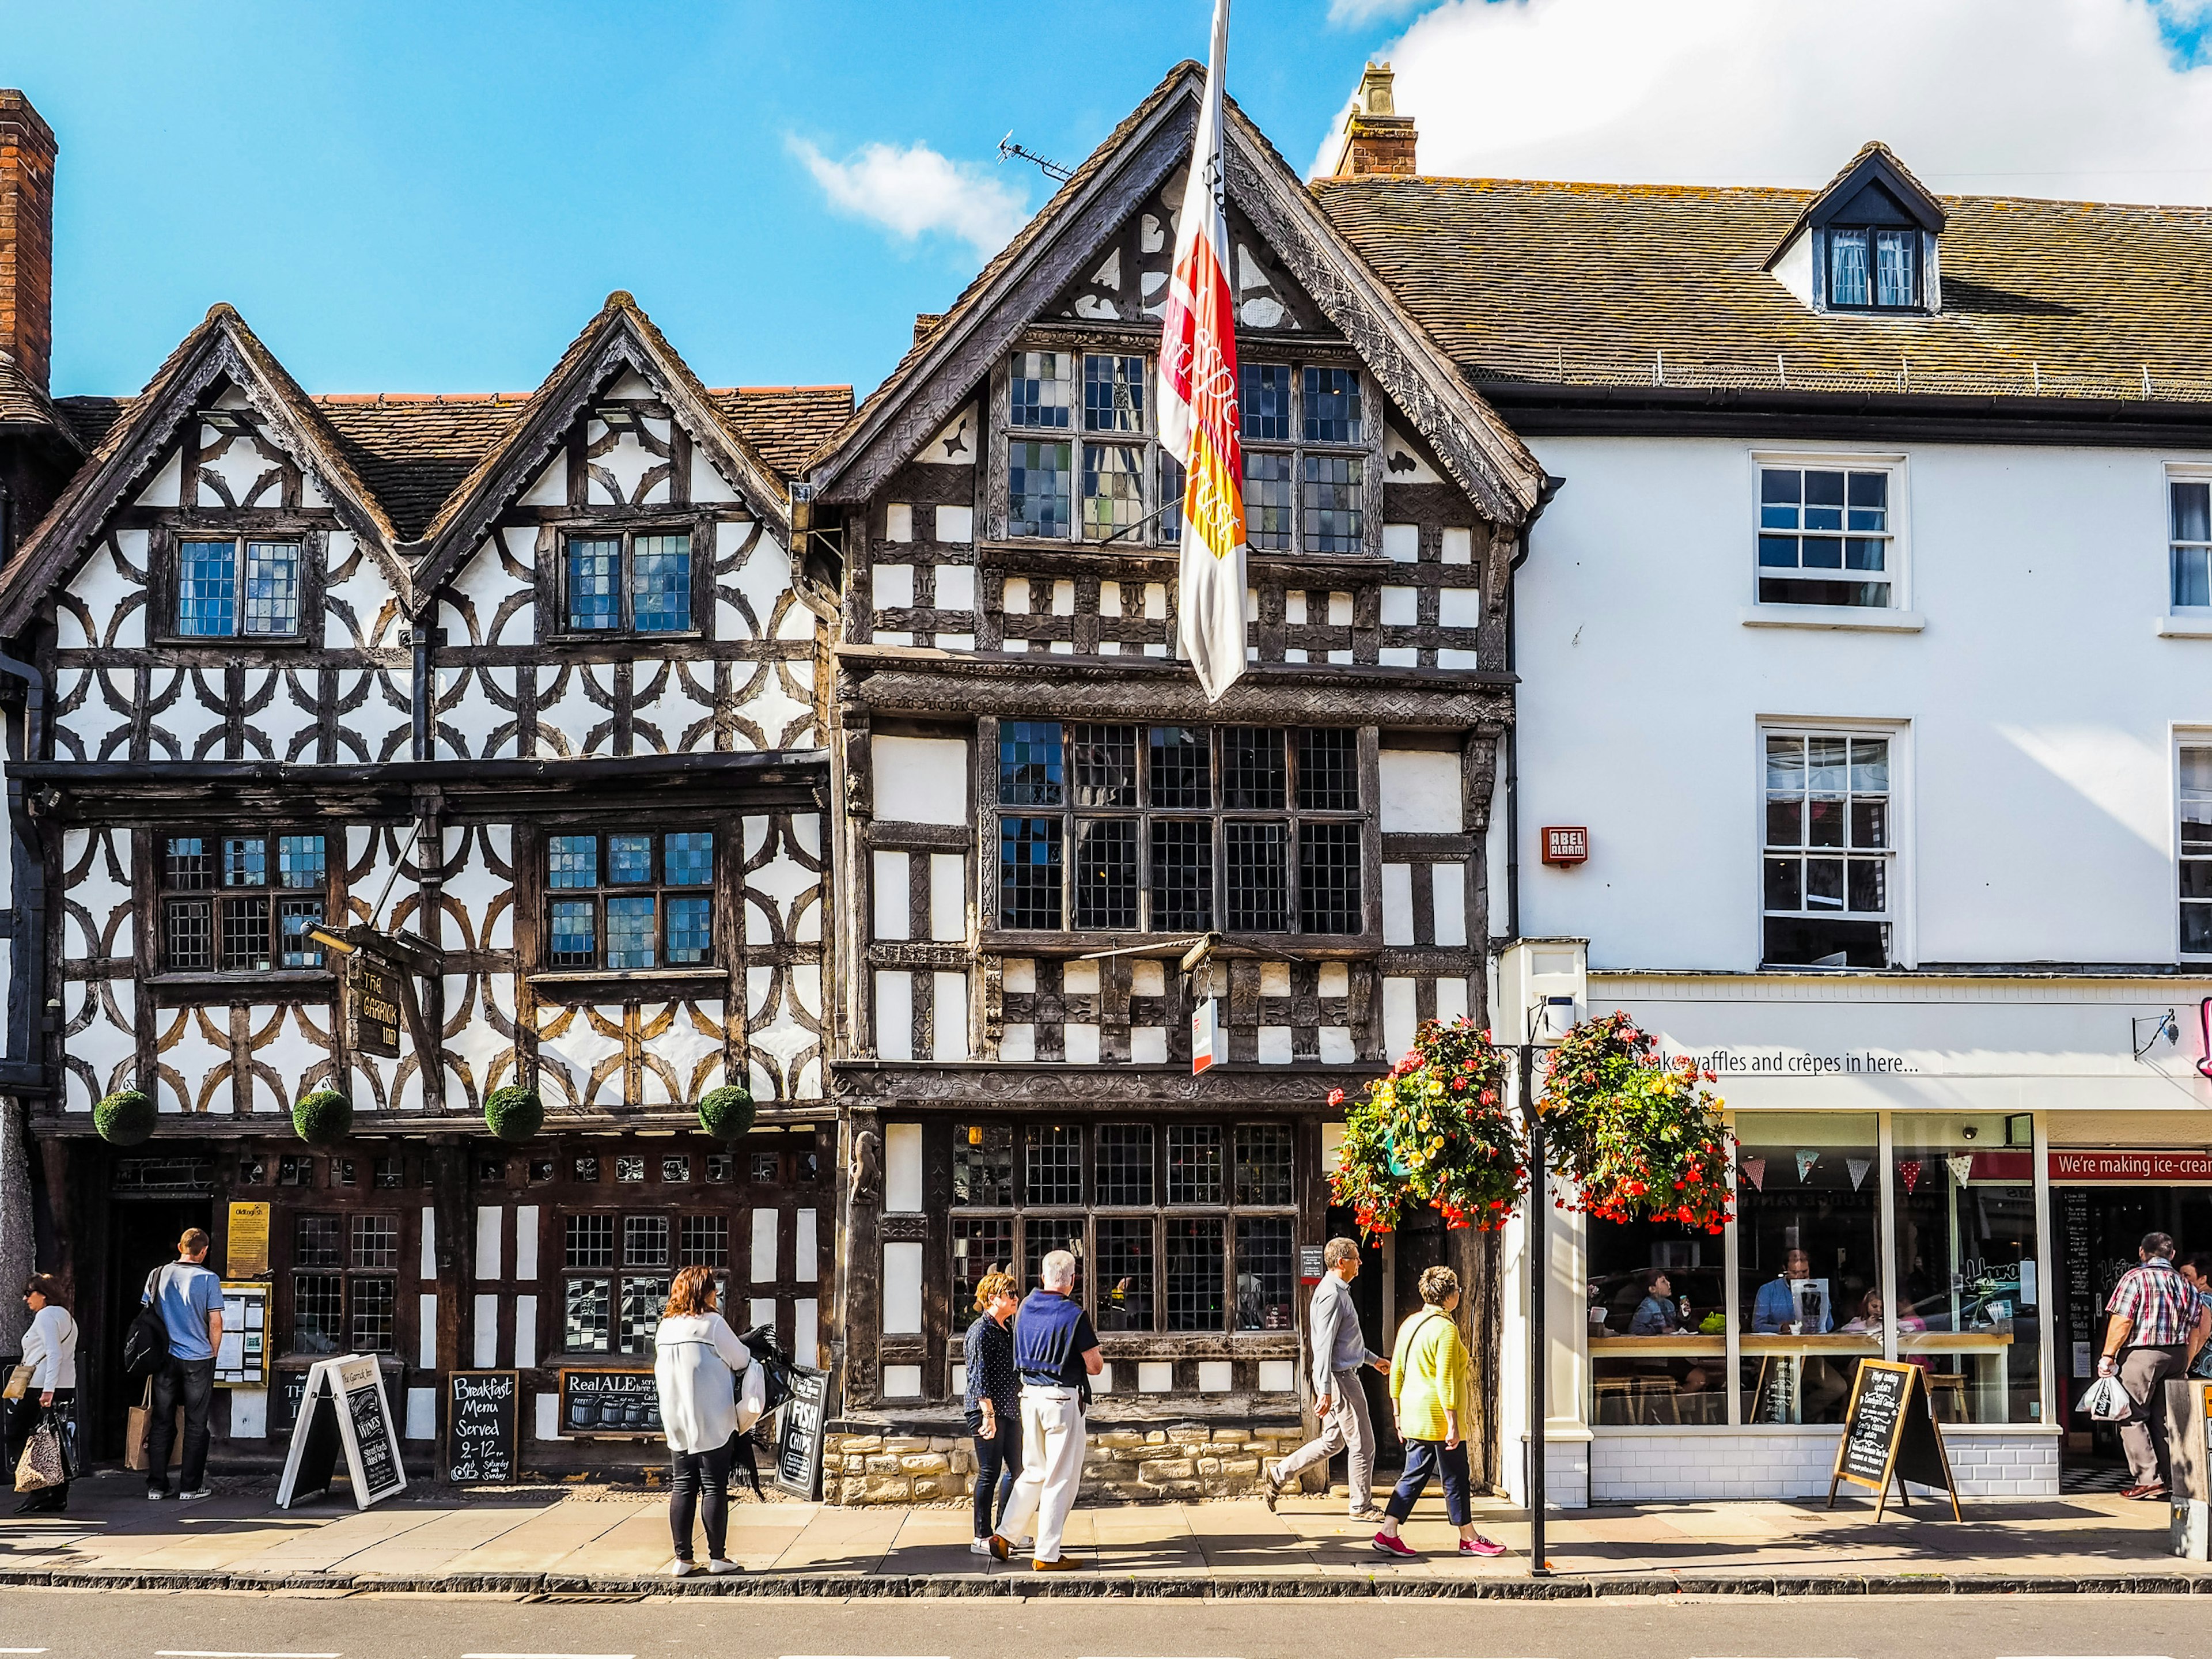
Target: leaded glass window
(635, 582)
(238, 588)
(255, 901)
(630, 900)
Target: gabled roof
(23, 402)
(620, 337)
(1540, 284)
(1876, 163)
(222, 349)
(940, 372)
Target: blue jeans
(1450, 1462)
(997, 1462)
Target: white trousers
(1052, 1468)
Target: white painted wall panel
(901, 1290)
(920, 779)
(762, 1269)
(902, 1166)
(805, 1247)
(888, 873)
(949, 1027)
(488, 1241)
(525, 1242)
(1420, 793)
(525, 1332)
(948, 896)
(484, 1330)
(894, 1014)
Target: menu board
(241, 1360)
(343, 1408)
(2081, 1283)
(480, 1427)
(604, 1404)
(1890, 1433)
(798, 1434)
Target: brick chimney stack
(1376, 138)
(26, 238)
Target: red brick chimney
(26, 237)
(1376, 138)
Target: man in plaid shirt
(2153, 1311)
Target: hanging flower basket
(1436, 1131)
(1643, 1142)
(323, 1118)
(514, 1114)
(727, 1113)
(126, 1118)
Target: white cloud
(2076, 98)
(914, 191)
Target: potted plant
(126, 1118)
(1643, 1141)
(323, 1118)
(514, 1114)
(1436, 1131)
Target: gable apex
(220, 352)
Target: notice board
(1890, 1433)
(481, 1421)
(798, 1434)
(242, 1359)
(246, 1242)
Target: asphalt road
(146, 1624)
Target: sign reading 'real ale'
(373, 997)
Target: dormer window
(1873, 268)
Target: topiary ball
(727, 1113)
(323, 1118)
(514, 1113)
(125, 1117)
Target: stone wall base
(1131, 1465)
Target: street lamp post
(1539, 1271)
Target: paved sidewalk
(597, 1539)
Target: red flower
(1336, 1097)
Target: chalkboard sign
(480, 1427)
(343, 1407)
(609, 1405)
(1890, 1433)
(798, 1434)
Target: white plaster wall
(2035, 795)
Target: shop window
(243, 904)
(1162, 825)
(1809, 1189)
(1826, 874)
(345, 1284)
(630, 901)
(2195, 842)
(616, 1270)
(1658, 1324)
(1968, 1271)
(719, 1169)
(635, 582)
(1176, 1227)
(675, 1170)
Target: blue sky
(437, 197)
(422, 197)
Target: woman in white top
(50, 1351)
(698, 1362)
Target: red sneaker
(1479, 1545)
(1386, 1545)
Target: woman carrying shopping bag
(698, 1359)
(1429, 1372)
(48, 1374)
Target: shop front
(440, 1254)
(1949, 1172)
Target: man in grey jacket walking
(1339, 1351)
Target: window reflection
(1808, 1207)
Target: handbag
(45, 1461)
(19, 1383)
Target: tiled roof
(785, 424)
(22, 403)
(91, 419)
(1641, 285)
(413, 451)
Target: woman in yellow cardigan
(1428, 1392)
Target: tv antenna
(1008, 149)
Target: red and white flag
(1198, 403)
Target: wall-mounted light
(616, 417)
(2161, 1025)
(231, 422)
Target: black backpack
(146, 1344)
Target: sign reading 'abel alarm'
(1566, 843)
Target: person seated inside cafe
(1659, 1314)
(1779, 1309)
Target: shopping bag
(2106, 1400)
(45, 1461)
(140, 1423)
(752, 1397)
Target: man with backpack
(189, 1299)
